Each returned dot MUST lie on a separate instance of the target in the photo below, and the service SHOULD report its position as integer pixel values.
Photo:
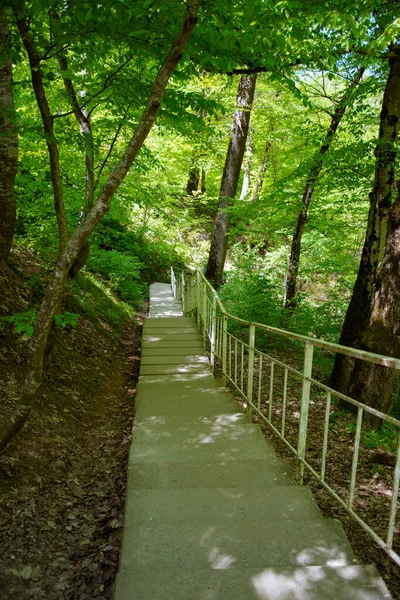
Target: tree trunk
(193, 180)
(230, 177)
(370, 383)
(246, 174)
(261, 175)
(295, 251)
(12, 423)
(38, 87)
(8, 146)
(83, 118)
(203, 180)
(359, 311)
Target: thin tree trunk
(247, 164)
(230, 177)
(193, 180)
(38, 87)
(203, 180)
(12, 423)
(263, 169)
(83, 119)
(8, 146)
(359, 311)
(295, 251)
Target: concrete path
(212, 513)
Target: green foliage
(251, 291)
(66, 319)
(24, 323)
(321, 320)
(151, 255)
(384, 437)
(121, 269)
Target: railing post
(172, 282)
(250, 369)
(224, 347)
(213, 329)
(198, 298)
(183, 296)
(305, 401)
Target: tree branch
(111, 147)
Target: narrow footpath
(211, 512)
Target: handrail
(244, 366)
(379, 359)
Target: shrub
(121, 269)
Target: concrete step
(162, 312)
(155, 350)
(170, 331)
(173, 369)
(165, 303)
(158, 288)
(199, 430)
(220, 451)
(213, 474)
(175, 360)
(214, 506)
(222, 434)
(195, 408)
(188, 381)
(352, 582)
(189, 387)
(169, 322)
(173, 344)
(191, 404)
(162, 335)
(278, 542)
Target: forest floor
(62, 479)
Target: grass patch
(90, 295)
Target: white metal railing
(246, 367)
(177, 284)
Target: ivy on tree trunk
(370, 383)
(360, 310)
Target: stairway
(212, 513)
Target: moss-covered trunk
(360, 309)
(370, 383)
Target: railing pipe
(395, 496)
(213, 330)
(198, 291)
(305, 401)
(204, 309)
(224, 347)
(250, 368)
